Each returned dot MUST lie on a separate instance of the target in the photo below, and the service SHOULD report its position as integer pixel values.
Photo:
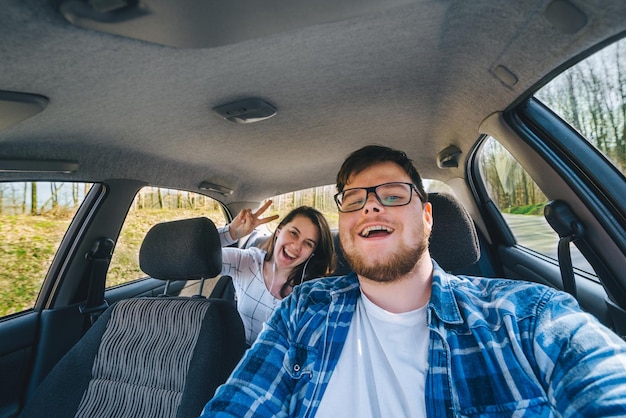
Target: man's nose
(372, 203)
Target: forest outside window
(34, 217)
(591, 97)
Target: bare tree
(160, 198)
(33, 197)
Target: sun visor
(16, 107)
(204, 24)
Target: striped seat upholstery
(150, 356)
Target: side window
(591, 97)
(151, 206)
(34, 217)
(521, 202)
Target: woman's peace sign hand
(245, 222)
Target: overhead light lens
(246, 111)
(212, 187)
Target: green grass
(26, 251)
(535, 209)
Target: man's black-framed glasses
(388, 194)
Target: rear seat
(454, 242)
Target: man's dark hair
(365, 157)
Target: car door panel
(18, 335)
(519, 264)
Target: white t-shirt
(254, 302)
(381, 371)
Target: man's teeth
(366, 232)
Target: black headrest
(453, 241)
(182, 250)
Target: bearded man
(400, 337)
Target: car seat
(152, 356)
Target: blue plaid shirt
(498, 348)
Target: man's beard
(395, 266)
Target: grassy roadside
(26, 250)
(29, 243)
(535, 209)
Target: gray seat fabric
(454, 240)
(152, 357)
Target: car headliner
(418, 76)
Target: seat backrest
(224, 289)
(157, 356)
(453, 240)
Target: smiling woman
(300, 249)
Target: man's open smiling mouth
(375, 230)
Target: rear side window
(151, 206)
(34, 217)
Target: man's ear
(427, 216)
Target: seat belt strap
(99, 259)
(565, 264)
(566, 224)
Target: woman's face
(295, 242)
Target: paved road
(535, 233)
